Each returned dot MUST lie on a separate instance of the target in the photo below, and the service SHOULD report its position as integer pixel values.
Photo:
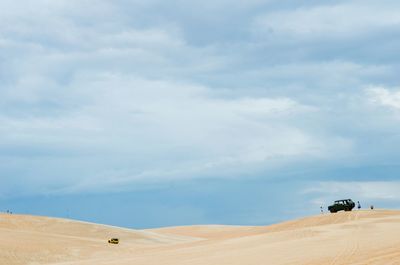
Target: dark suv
(345, 205)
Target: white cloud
(384, 97)
(346, 19)
(115, 92)
(165, 130)
(364, 191)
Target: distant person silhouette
(322, 209)
(358, 205)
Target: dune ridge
(358, 237)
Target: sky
(153, 113)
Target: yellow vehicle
(113, 241)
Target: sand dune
(358, 237)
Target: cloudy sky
(153, 113)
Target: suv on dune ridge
(339, 205)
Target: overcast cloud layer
(101, 96)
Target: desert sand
(358, 237)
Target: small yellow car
(113, 241)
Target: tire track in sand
(352, 244)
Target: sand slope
(359, 237)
